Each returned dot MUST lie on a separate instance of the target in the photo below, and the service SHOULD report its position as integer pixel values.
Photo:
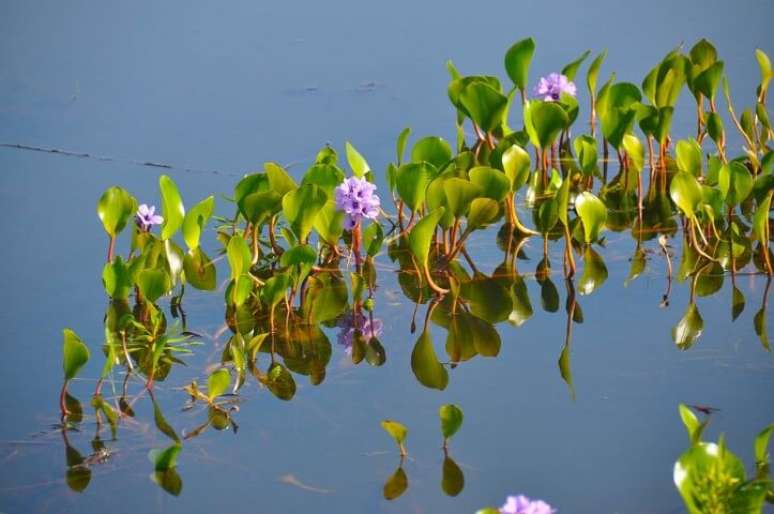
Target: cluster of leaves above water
(712, 480)
(288, 248)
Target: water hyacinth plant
(282, 242)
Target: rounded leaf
(75, 354)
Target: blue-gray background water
(216, 89)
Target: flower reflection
(352, 323)
(523, 505)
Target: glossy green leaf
(692, 424)
(396, 430)
(689, 156)
(239, 257)
(199, 270)
(172, 207)
(117, 279)
(432, 149)
(421, 235)
(458, 194)
(517, 62)
(485, 104)
(260, 206)
(544, 121)
(400, 146)
(357, 162)
(492, 183)
(586, 151)
(572, 68)
(516, 164)
(195, 220)
(274, 289)
(686, 192)
(735, 183)
(483, 211)
(592, 75)
(280, 180)
(451, 420)
(764, 63)
(707, 81)
(593, 214)
(115, 208)
(411, 182)
(301, 208)
(153, 284)
(75, 354)
(373, 237)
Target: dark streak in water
(85, 155)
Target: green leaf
(586, 149)
(544, 121)
(301, 208)
(703, 54)
(459, 193)
(259, 206)
(689, 328)
(452, 478)
(764, 63)
(432, 149)
(356, 161)
(172, 207)
(199, 270)
(483, 211)
(165, 459)
(195, 220)
(689, 156)
(715, 127)
(516, 164)
(299, 255)
(117, 279)
(421, 235)
(217, 383)
(635, 151)
(400, 149)
(571, 69)
(592, 74)
(115, 208)
(692, 424)
(451, 420)
(396, 430)
(239, 257)
(280, 180)
(425, 365)
(329, 223)
(761, 221)
(593, 214)
(686, 193)
(762, 445)
(153, 284)
(485, 104)
(707, 81)
(492, 183)
(735, 183)
(411, 182)
(373, 237)
(517, 62)
(75, 354)
(274, 289)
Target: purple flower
(355, 196)
(523, 505)
(357, 322)
(146, 218)
(552, 87)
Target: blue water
(215, 90)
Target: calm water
(214, 91)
